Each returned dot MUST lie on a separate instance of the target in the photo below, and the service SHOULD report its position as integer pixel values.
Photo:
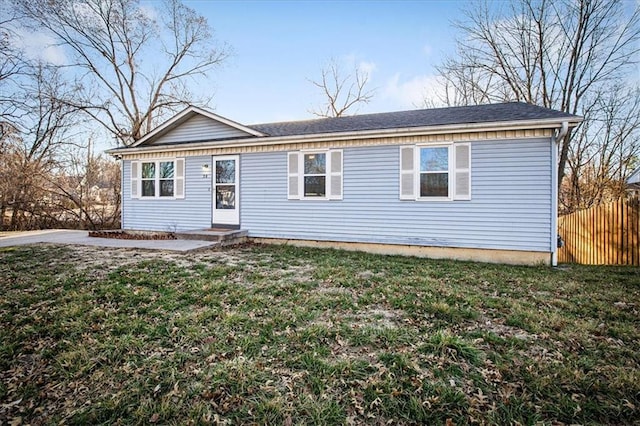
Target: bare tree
(12, 66)
(86, 193)
(605, 151)
(125, 66)
(133, 63)
(557, 54)
(43, 129)
(459, 84)
(342, 92)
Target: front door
(226, 206)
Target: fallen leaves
(274, 335)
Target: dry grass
(279, 335)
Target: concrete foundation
(510, 257)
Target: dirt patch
(300, 273)
(124, 256)
(375, 317)
(133, 235)
(502, 330)
(367, 275)
(335, 290)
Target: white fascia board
(178, 118)
(363, 134)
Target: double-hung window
(315, 175)
(157, 178)
(435, 172)
(148, 179)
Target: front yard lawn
(282, 335)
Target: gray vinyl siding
(199, 128)
(510, 205)
(191, 212)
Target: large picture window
(157, 179)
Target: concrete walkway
(71, 237)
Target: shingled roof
(514, 111)
(506, 114)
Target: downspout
(564, 128)
(561, 133)
(119, 158)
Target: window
(157, 179)
(225, 194)
(166, 178)
(435, 172)
(148, 179)
(315, 175)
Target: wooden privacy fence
(608, 234)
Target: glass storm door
(226, 207)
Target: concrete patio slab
(72, 237)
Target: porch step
(222, 237)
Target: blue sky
(278, 45)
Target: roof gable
(196, 125)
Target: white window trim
(328, 175)
(139, 179)
(418, 172)
(452, 173)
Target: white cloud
(349, 63)
(367, 67)
(413, 92)
(39, 46)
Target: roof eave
(361, 134)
